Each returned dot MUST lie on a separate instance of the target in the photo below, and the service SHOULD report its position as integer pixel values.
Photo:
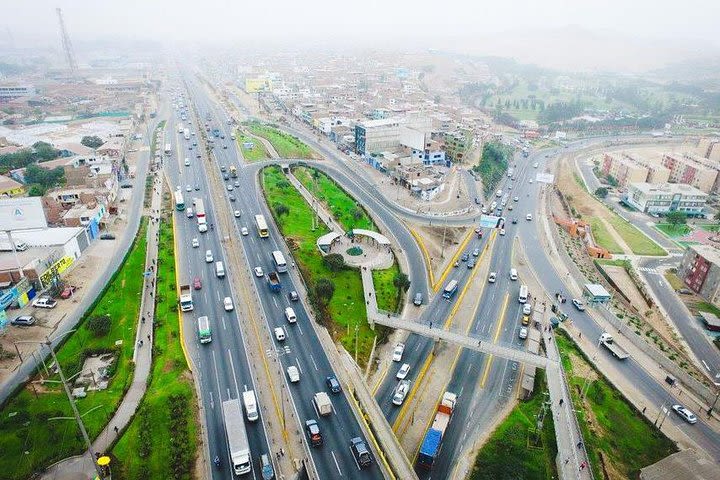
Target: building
(255, 85)
(627, 168)
(700, 270)
(457, 143)
(709, 148)
(692, 170)
(660, 199)
(8, 92)
(685, 464)
(10, 188)
(377, 135)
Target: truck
(186, 302)
(199, 208)
(236, 437)
(274, 281)
(233, 171)
(322, 403)
(433, 438)
(617, 351)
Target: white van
(187, 162)
(250, 404)
(189, 212)
(513, 274)
(290, 315)
(523, 296)
(219, 269)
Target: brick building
(628, 168)
(700, 270)
(699, 172)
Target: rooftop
(597, 290)
(667, 189)
(708, 252)
(687, 465)
(44, 236)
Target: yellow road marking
(380, 381)
(495, 339)
(425, 253)
(177, 288)
(416, 385)
(459, 252)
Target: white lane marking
(314, 364)
(232, 366)
(297, 362)
(706, 365)
(276, 302)
(300, 328)
(218, 294)
(336, 462)
(223, 323)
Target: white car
(527, 309)
(516, 199)
(44, 302)
(227, 303)
(293, 374)
(290, 315)
(492, 277)
(530, 181)
(398, 352)
(195, 243)
(401, 392)
(187, 162)
(208, 256)
(528, 217)
(237, 213)
(403, 372)
(188, 188)
(523, 333)
(259, 272)
(502, 231)
(279, 334)
(685, 414)
(579, 304)
(244, 231)
(230, 188)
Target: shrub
(334, 262)
(99, 325)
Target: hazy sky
(251, 21)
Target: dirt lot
(432, 238)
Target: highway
(302, 347)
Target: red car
(68, 292)
(197, 283)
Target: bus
(523, 296)
(204, 330)
(179, 201)
(279, 259)
(262, 227)
(450, 289)
(168, 149)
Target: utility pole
(442, 252)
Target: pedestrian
(567, 460)
(582, 466)
(148, 337)
(431, 325)
(116, 429)
(580, 335)
(644, 408)
(562, 400)
(143, 320)
(580, 444)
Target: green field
(254, 154)
(28, 439)
(610, 424)
(602, 236)
(674, 231)
(348, 213)
(161, 441)
(512, 451)
(638, 242)
(285, 144)
(346, 308)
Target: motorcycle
(216, 461)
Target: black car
(360, 452)
(293, 296)
(465, 257)
(107, 236)
(313, 433)
(333, 384)
(514, 221)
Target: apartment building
(372, 136)
(700, 270)
(628, 168)
(692, 170)
(709, 148)
(660, 199)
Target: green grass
(153, 140)
(348, 213)
(602, 236)
(493, 165)
(347, 305)
(28, 429)
(674, 231)
(710, 227)
(388, 296)
(613, 426)
(285, 144)
(511, 451)
(161, 441)
(639, 243)
(707, 307)
(257, 153)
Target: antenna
(67, 46)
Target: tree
(334, 261)
(99, 325)
(92, 141)
(402, 282)
(281, 209)
(44, 177)
(601, 192)
(324, 289)
(717, 215)
(676, 218)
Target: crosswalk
(649, 270)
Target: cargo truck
(233, 171)
(433, 438)
(186, 302)
(236, 437)
(322, 403)
(607, 341)
(274, 281)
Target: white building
(662, 198)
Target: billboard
(491, 221)
(545, 178)
(21, 214)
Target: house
(10, 188)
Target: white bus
(204, 330)
(279, 259)
(262, 227)
(179, 201)
(523, 296)
(168, 149)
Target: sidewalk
(82, 465)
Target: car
(290, 315)
(313, 433)
(530, 181)
(528, 217)
(188, 188)
(197, 187)
(526, 320)
(236, 213)
(293, 296)
(401, 392)
(228, 304)
(44, 302)
(23, 321)
(68, 291)
(226, 177)
(333, 384)
(266, 468)
(293, 374)
(197, 283)
(187, 162)
(398, 352)
(417, 301)
(527, 309)
(244, 231)
(403, 372)
(510, 207)
(478, 231)
(237, 184)
(360, 451)
(230, 188)
(516, 199)
(523, 333)
(231, 197)
(195, 242)
(224, 147)
(579, 304)
(514, 221)
(492, 277)
(502, 231)
(471, 264)
(684, 291)
(222, 168)
(208, 256)
(476, 252)
(685, 414)
(107, 236)
(279, 334)
(465, 257)
(259, 272)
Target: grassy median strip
(618, 438)
(28, 439)
(516, 449)
(161, 441)
(286, 145)
(254, 154)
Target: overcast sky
(207, 20)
